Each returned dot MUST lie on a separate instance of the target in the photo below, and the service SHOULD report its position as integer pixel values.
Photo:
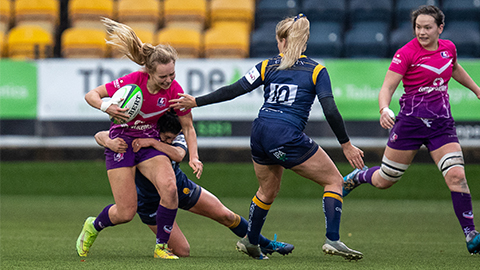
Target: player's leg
(321, 169)
(159, 170)
(394, 164)
(123, 190)
(450, 162)
(269, 178)
(178, 243)
(208, 205)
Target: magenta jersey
(425, 78)
(154, 106)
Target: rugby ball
(129, 96)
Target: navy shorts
(148, 198)
(410, 133)
(280, 143)
(115, 160)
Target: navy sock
(257, 215)
(103, 220)
(332, 208)
(239, 228)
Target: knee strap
(391, 170)
(450, 160)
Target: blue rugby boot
(243, 245)
(280, 247)
(473, 242)
(350, 181)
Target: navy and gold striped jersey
(290, 93)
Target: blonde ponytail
(296, 32)
(124, 38)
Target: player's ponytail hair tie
(301, 15)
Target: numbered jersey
(288, 94)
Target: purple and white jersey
(425, 78)
(154, 106)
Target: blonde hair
(124, 38)
(296, 32)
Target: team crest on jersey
(161, 102)
(252, 75)
(118, 157)
(394, 137)
(445, 54)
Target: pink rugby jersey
(154, 106)
(425, 78)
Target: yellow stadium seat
(2, 45)
(185, 13)
(187, 41)
(5, 14)
(139, 13)
(144, 35)
(78, 42)
(44, 13)
(241, 11)
(226, 41)
(88, 13)
(29, 41)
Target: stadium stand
(465, 35)
(185, 13)
(370, 10)
(144, 35)
(187, 41)
(367, 40)
(87, 13)
(222, 42)
(78, 42)
(2, 45)
(403, 10)
(327, 41)
(44, 13)
(461, 10)
(139, 13)
(325, 10)
(29, 42)
(400, 36)
(5, 14)
(241, 11)
(274, 10)
(262, 41)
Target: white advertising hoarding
(62, 85)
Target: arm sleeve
(222, 94)
(334, 119)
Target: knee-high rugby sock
(103, 220)
(366, 176)
(239, 228)
(332, 208)
(258, 214)
(165, 218)
(462, 205)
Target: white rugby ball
(129, 96)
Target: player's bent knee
(449, 161)
(391, 170)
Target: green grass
(410, 226)
(39, 232)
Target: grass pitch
(411, 226)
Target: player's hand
(354, 155)
(117, 113)
(140, 143)
(386, 120)
(197, 167)
(117, 145)
(185, 102)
